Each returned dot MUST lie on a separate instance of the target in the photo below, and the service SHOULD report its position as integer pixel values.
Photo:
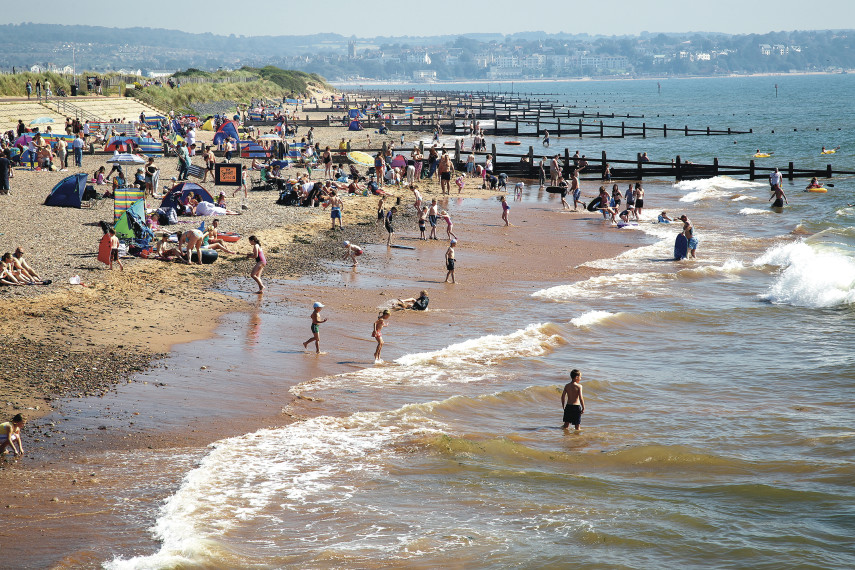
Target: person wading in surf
(572, 400)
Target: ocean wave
(591, 318)
(464, 362)
(601, 286)
(751, 211)
(297, 465)
(809, 277)
(534, 340)
(715, 187)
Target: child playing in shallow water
(352, 251)
(260, 262)
(422, 222)
(316, 327)
(505, 209)
(382, 321)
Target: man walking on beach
(575, 403)
(77, 147)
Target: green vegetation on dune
(240, 86)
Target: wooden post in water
(790, 171)
(678, 167)
(751, 175)
(421, 147)
(456, 151)
(566, 169)
(495, 158)
(644, 130)
(665, 131)
(622, 130)
(687, 130)
(828, 171)
(517, 127)
(531, 156)
(601, 128)
(708, 131)
(603, 166)
(580, 128)
(715, 165)
(537, 125)
(638, 166)
(558, 134)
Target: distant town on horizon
(496, 57)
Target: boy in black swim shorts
(575, 403)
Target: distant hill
(491, 56)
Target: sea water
(718, 427)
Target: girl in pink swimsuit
(378, 332)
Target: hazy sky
(368, 19)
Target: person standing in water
(382, 321)
(260, 262)
(316, 327)
(572, 401)
(390, 228)
(450, 261)
(778, 195)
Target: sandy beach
(88, 347)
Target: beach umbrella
(399, 161)
(41, 121)
(24, 139)
(270, 136)
(125, 158)
(361, 158)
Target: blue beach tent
(68, 192)
(181, 191)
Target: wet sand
(238, 381)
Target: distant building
(424, 75)
(351, 49)
(36, 68)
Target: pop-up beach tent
(227, 130)
(355, 125)
(131, 224)
(68, 192)
(181, 191)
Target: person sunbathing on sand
(7, 276)
(20, 264)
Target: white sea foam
(591, 318)
(464, 362)
(715, 187)
(752, 211)
(297, 465)
(810, 277)
(602, 286)
(741, 198)
(534, 340)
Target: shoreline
(211, 410)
